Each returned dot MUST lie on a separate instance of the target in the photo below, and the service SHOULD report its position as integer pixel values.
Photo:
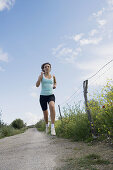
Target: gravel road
(33, 150)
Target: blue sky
(76, 37)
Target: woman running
(48, 83)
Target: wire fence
(98, 81)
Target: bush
(8, 130)
(74, 124)
(59, 128)
(5, 131)
(18, 124)
(41, 125)
(102, 111)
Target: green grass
(86, 162)
(6, 131)
(91, 159)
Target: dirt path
(33, 150)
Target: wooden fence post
(60, 112)
(85, 87)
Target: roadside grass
(91, 159)
(87, 162)
(6, 131)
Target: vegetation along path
(34, 150)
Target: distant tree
(0, 119)
(18, 124)
(1, 123)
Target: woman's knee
(45, 111)
(51, 104)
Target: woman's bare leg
(52, 111)
(46, 116)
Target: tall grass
(74, 124)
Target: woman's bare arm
(54, 83)
(38, 82)
(39, 79)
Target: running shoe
(47, 130)
(53, 131)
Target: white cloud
(67, 54)
(96, 43)
(30, 118)
(55, 50)
(93, 41)
(104, 51)
(93, 67)
(99, 13)
(101, 22)
(3, 56)
(65, 51)
(101, 78)
(6, 4)
(70, 59)
(110, 2)
(77, 37)
(93, 32)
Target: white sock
(46, 125)
(52, 125)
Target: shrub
(18, 124)
(5, 131)
(102, 111)
(41, 125)
(74, 124)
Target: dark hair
(42, 66)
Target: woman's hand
(54, 86)
(41, 76)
